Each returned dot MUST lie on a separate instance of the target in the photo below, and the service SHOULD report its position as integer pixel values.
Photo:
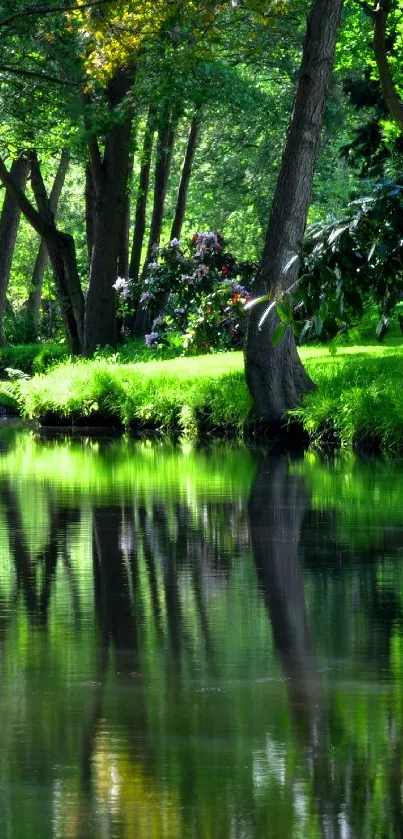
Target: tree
(60, 247)
(33, 304)
(380, 13)
(186, 172)
(275, 375)
(142, 194)
(9, 221)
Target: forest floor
(358, 401)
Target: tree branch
(31, 11)
(369, 10)
(33, 74)
(31, 214)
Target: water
(198, 643)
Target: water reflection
(185, 648)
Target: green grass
(359, 397)
(30, 358)
(185, 395)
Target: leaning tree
(275, 375)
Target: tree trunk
(35, 295)
(89, 209)
(9, 221)
(166, 136)
(393, 101)
(60, 247)
(62, 255)
(110, 175)
(142, 193)
(275, 376)
(123, 255)
(185, 178)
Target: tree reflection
(160, 672)
(277, 505)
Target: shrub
(30, 358)
(199, 295)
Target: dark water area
(198, 643)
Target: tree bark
(275, 376)
(392, 99)
(62, 254)
(9, 222)
(185, 178)
(35, 295)
(89, 209)
(60, 247)
(123, 255)
(110, 175)
(142, 194)
(165, 143)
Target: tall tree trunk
(9, 221)
(62, 255)
(89, 209)
(394, 103)
(185, 177)
(60, 247)
(110, 175)
(275, 376)
(166, 136)
(35, 295)
(142, 194)
(123, 255)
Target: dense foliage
(194, 292)
(352, 264)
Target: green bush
(30, 358)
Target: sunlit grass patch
(359, 397)
(182, 395)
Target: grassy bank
(185, 395)
(358, 400)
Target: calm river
(199, 643)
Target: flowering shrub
(124, 302)
(197, 294)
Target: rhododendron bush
(197, 291)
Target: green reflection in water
(195, 644)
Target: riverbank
(358, 401)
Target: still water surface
(198, 643)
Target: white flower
(175, 243)
(151, 339)
(120, 285)
(146, 296)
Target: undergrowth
(30, 358)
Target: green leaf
(278, 334)
(318, 324)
